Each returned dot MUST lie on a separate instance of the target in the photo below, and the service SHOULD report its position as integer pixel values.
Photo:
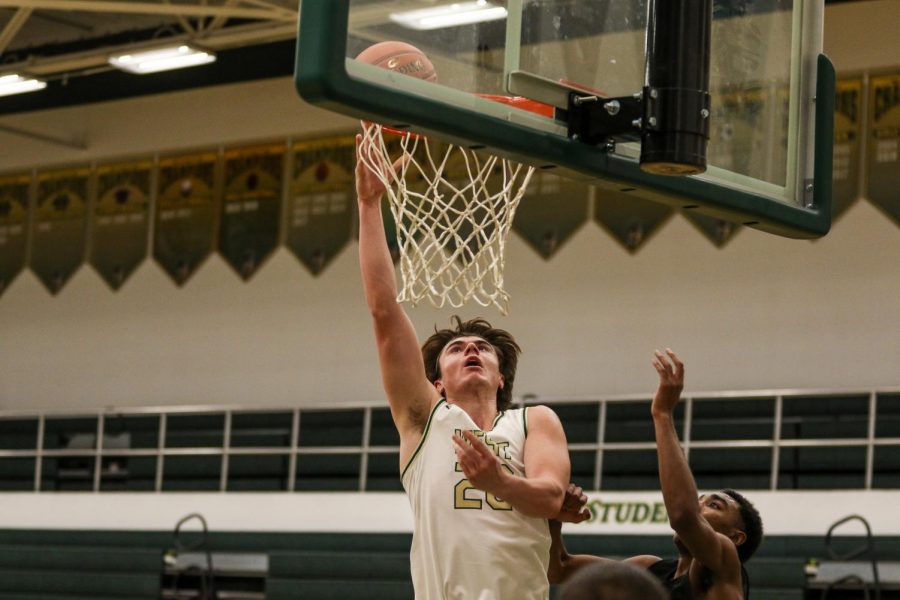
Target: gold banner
(320, 208)
(847, 146)
(59, 233)
(251, 211)
(883, 149)
(14, 202)
(121, 220)
(184, 225)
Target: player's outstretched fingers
(658, 363)
(679, 366)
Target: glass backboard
(771, 92)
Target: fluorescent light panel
(450, 15)
(161, 59)
(16, 84)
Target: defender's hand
(671, 382)
(479, 464)
(573, 508)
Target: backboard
(770, 109)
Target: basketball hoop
(451, 226)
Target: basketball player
(714, 536)
(480, 523)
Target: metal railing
(884, 402)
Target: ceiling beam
(153, 8)
(42, 137)
(223, 39)
(182, 20)
(13, 27)
(219, 20)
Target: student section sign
(613, 513)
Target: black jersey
(679, 588)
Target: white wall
(762, 312)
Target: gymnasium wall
(763, 312)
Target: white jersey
(467, 544)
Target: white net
(453, 209)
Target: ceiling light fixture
(450, 15)
(16, 84)
(162, 59)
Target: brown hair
(504, 344)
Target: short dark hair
(504, 344)
(752, 525)
(612, 581)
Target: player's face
(721, 511)
(468, 360)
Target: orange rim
(520, 102)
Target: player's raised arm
(409, 393)
(712, 549)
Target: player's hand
(573, 507)
(479, 463)
(369, 186)
(671, 382)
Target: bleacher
(761, 441)
(128, 565)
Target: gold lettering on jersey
(460, 498)
(500, 449)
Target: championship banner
(551, 211)
(629, 220)
(883, 151)
(319, 212)
(121, 220)
(184, 225)
(14, 203)
(717, 231)
(59, 230)
(847, 145)
(251, 210)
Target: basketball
(399, 57)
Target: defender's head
(735, 517)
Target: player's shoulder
(644, 561)
(541, 418)
(541, 412)
(729, 573)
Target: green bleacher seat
(98, 585)
(340, 566)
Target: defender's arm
(679, 489)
